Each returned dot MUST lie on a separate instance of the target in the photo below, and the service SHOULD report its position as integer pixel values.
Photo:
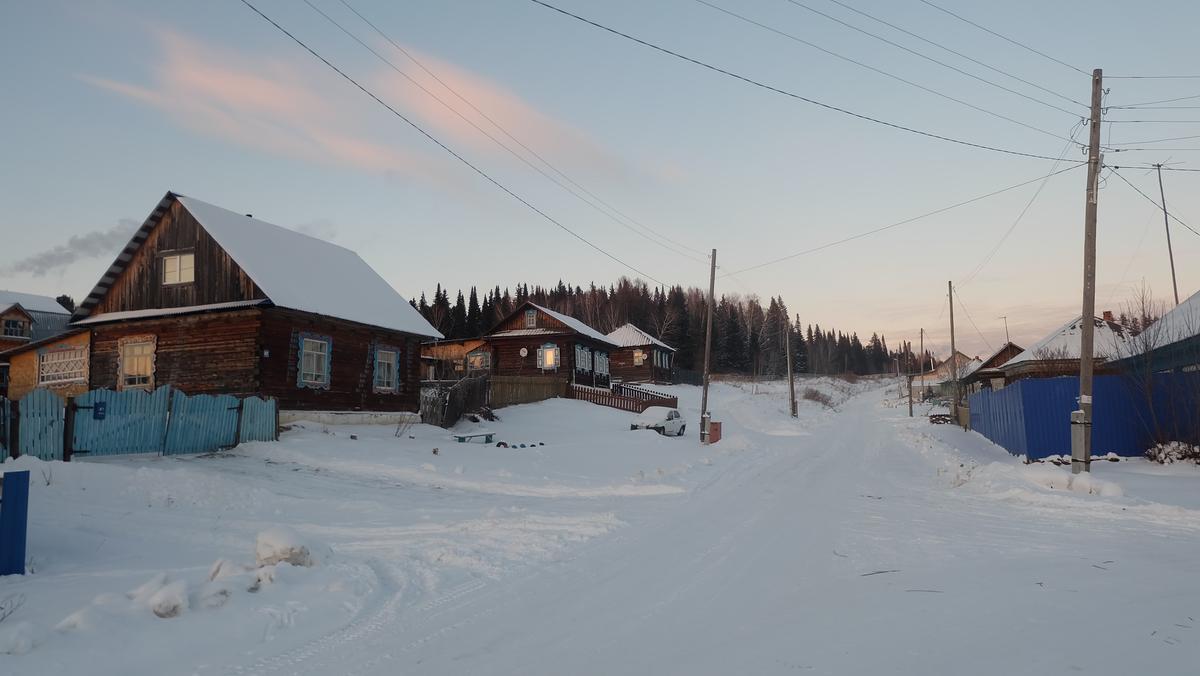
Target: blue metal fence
(1032, 417)
(166, 421)
(5, 425)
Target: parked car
(661, 419)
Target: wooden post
(162, 444)
(712, 284)
(953, 355)
(14, 429)
(237, 429)
(276, 402)
(1081, 453)
(787, 342)
(1167, 223)
(69, 429)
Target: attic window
(531, 319)
(15, 328)
(179, 269)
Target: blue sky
(110, 104)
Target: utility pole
(1006, 338)
(953, 354)
(921, 363)
(1167, 223)
(712, 283)
(1081, 420)
(787, 346)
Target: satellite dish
(524, 352)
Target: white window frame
(394, 371)
(601, 364)
(318, 377)
(178, 269)
(19, 328)
(556, 359)
(127, 378)
(62, 366)
(531, 318)
(583, 358)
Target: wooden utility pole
(953, 355)
(1006, 338)
(1081, 420)
(1167, 224)
(921, 362)
(787, 346)
(712, 284)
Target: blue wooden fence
(1032, 417)
(166, 421)
(5, 426)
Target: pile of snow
(1173, 451)
(280, 544)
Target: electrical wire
(931, 59)
(504, 131)
(903, 222)
(490, 137)
(1151, 200)
(442, 145)
(1157, 140)
(958, 296)
(1128, 264)
(1006, 38)
(784, 92)
(960, 54)
(987, 259)
(1151, 103)
(1148, 77)
(856, 62)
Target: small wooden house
(58, 363)
(1058, 353)
(537, 341)
(212, 301)
(640, 357)
(988, 374)
(454, 359)
(26, 317)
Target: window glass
(314, 361)
(14, 328)
(385, 369)
(137, 363)
(531, 319)
(179, 269)
(639, 357)
(62, 366)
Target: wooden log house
(537, 341)
(212, 301)
(640, 357)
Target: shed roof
(631, 336)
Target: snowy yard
(851, 540)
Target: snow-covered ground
(850, 540)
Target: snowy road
(863, 547)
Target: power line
(987, 259)
(834, 54)
(959, 54)
(490, 137)
(1153, 121)
(1128, 264)
(784, 92)
(900, 223)
(1150, 103)
(1152, 107)
(1147, 77)
(1157, 140)
(868, 66)
(1151, 199)
(442, 145)
(504, 131)
(1006, 38)
(930, 58)
(967, 312)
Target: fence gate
(201, 423)
(111, 423)
(41, 428)
(259, 422)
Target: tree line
(748, 338)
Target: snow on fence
(638, 392)
(611, 399)
(166, 421)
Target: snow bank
(283, 544)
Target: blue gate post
(14, 517)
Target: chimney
(1108, 316)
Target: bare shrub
(811, 394)
(1173, 451)
(10, 605)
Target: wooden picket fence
(622, 401)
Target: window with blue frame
(387, 369)
(313, 364)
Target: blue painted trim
(375, 350)
(301, 337)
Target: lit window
(385, 370)
(58, 367)
(15, 328)
(639, 357)
(314, 362)
(137, 363)
(531, 318)
(179, 269)
(479, 361)
(548, 357)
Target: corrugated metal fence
(104, 422)
(1032, 417)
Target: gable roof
(571, 323)
(30, 302)
(631, 336)
(1110, 340)
(294, 270)
(1181, 323)
(991, 362)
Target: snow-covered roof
(575, 324)
(1111, 340)
(309, 274)
(523, 332)
(31, 302)
(1183, 321)
(166, 311)
(971, 367)
(631, 336)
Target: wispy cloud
(95, 243)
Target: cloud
(256, 102)
(95, 243)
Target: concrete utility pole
(1167, 224)
(1006, 338)
(1081, 420)
(787, 346)
(921, 363)
(712, 284)
(953, 355)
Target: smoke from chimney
(95, 243)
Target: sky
(108, 105)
